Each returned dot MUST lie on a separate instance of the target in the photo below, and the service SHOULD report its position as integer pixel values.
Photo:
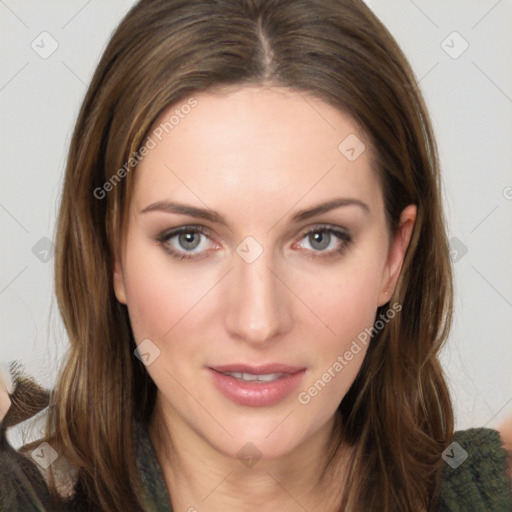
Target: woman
(253, 272)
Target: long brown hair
(397, 414)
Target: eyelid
(172, 232)
(326, 227)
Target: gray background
(468, 93)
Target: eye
(321, 238)
(187, 240)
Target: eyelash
(344, 236)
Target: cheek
(346, 298)
(347, 309)
(349, 316)
(156, 296)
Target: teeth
(249, 377)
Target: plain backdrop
(460, 53)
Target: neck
(199, 477)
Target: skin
(505, 430)
(256, 155)
(5, 389)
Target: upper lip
(263, 369)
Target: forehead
(255, 146)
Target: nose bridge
(257, 308)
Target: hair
(397, 414)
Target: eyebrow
(217, 218)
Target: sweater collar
(155, 495)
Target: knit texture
(480, 482)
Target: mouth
(250, 377)
(256, 386)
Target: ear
(396, 253)
(119, 285)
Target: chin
(265, 440)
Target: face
(244, 292)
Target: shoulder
(475, 473)
(26, 473)
(52, 465)
(22, 487)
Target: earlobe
(119, 286)
(397, 252)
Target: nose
(257, 309)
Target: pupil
(186, 240)
(322, 238)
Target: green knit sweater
(474, 477)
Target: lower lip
(256, 394)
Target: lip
(256, 394)
(258, 369)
